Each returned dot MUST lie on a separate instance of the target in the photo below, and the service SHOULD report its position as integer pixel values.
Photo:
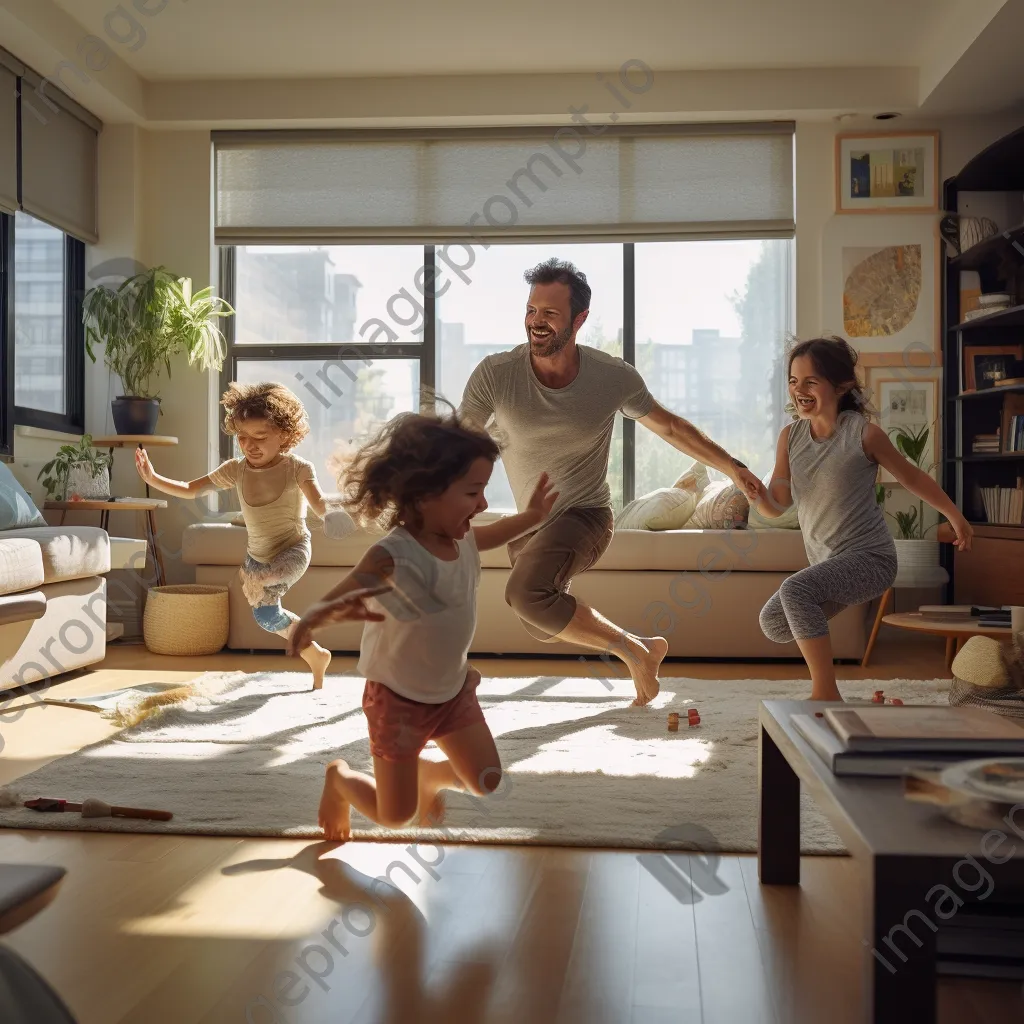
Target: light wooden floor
(155, 929)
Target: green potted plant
(142, 324)
(916, 554)
(77, 471)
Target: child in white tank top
(274, 486)
(423, 478)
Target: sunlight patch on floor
(601, 749)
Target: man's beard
(551, 345)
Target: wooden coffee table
(955, 631)
(904, 849)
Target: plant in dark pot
(142, 324)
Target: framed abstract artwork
(884, 172)
(881, 286)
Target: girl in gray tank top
(827, 462)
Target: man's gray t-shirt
(564, 432)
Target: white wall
(156, 206)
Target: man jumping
(551, 405)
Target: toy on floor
(673, 721)
(879, 697)
(90, 808)
(693, 717)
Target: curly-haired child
(274, 486)
(423, 478)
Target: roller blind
(519, 184)
(59, 142)
(8, 140)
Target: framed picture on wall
(882, 171)
(907, 399)
(881, 286)
(990, 366)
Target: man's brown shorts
(544, 563)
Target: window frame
(72, 420)
(426, 351)
(7, 416)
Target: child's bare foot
(335, 811)
(317, 659)
(647, 654)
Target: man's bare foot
(317, 659)
(647, 654)
(828, 694)
(335, 811)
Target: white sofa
(702, 589)
(52, 601)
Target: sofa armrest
(21, 564)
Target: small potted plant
(916, 554)
(142, 324)
(77, 471)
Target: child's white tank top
(420, 649)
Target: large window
(357, 330)
(43, 279)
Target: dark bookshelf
(992, 185)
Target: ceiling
(320, 38)
(312, 63)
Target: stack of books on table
(961, 612)
(894, 741)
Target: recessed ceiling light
(846, 117)
(887, 116)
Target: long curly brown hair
(414, 456)
(266, 401)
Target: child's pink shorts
(400, 728)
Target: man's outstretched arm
(690, 441)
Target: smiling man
(551, 405)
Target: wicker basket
(187, 619)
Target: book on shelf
(1004, 505)
(932, 729)
(827, 745)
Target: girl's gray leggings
(802, 606)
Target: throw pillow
(787, 521)
(17, 512)
(723, 506)
(695, 479)
(668, 508)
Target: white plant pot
(82, 482)
(918, 564)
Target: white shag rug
(246, 755)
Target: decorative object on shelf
(142, 324)
(882, 171)
(77, 471)
(187, 619)
(995, 302)
(949, 228)
(974, 230)
(880, 284)
(986, 365)
(970, 291)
